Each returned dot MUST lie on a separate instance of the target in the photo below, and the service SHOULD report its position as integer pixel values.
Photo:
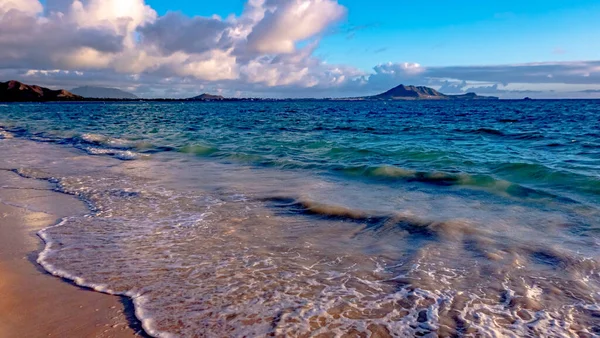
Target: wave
(540, 174)
(98, 144)
(124, 155)
(327, 210)
(120, 148)
(527, 136)
(198, 149)
(5, 134)
(447, 179)
(111, 142)
(481, 131)
(374, 221)
(500, 133)
(93, 144)
(488, 131)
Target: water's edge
(144, 330)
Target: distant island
(15, 91)
(103, 93)
(403, 92)
(207, 97)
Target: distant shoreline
(286, 100)
(15, 91)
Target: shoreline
(35, 303)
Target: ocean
(324, 218)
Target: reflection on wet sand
(32, 302)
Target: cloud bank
(267, 50)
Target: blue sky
(305, 47)
(444, 33)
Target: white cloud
(127, 36)
(175, 32)
(211, 66)
(400, 69)
(121, 15)
(31, 7)
(286, 22)
(125, 42)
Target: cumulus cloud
(286, 22)
(122, 16)
(127, 36)
(75, 34)
(175, 32)
(267, 50)
(27, 40)
(31, 7)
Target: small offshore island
(15, 91)
(403, 92)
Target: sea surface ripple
(329, 219)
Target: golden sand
(34, 303)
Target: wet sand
(34, 303)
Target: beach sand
(34, 303)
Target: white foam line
(137, 298)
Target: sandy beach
(34, 303)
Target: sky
(304, 48)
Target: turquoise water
(444, 218)
(543, 147)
